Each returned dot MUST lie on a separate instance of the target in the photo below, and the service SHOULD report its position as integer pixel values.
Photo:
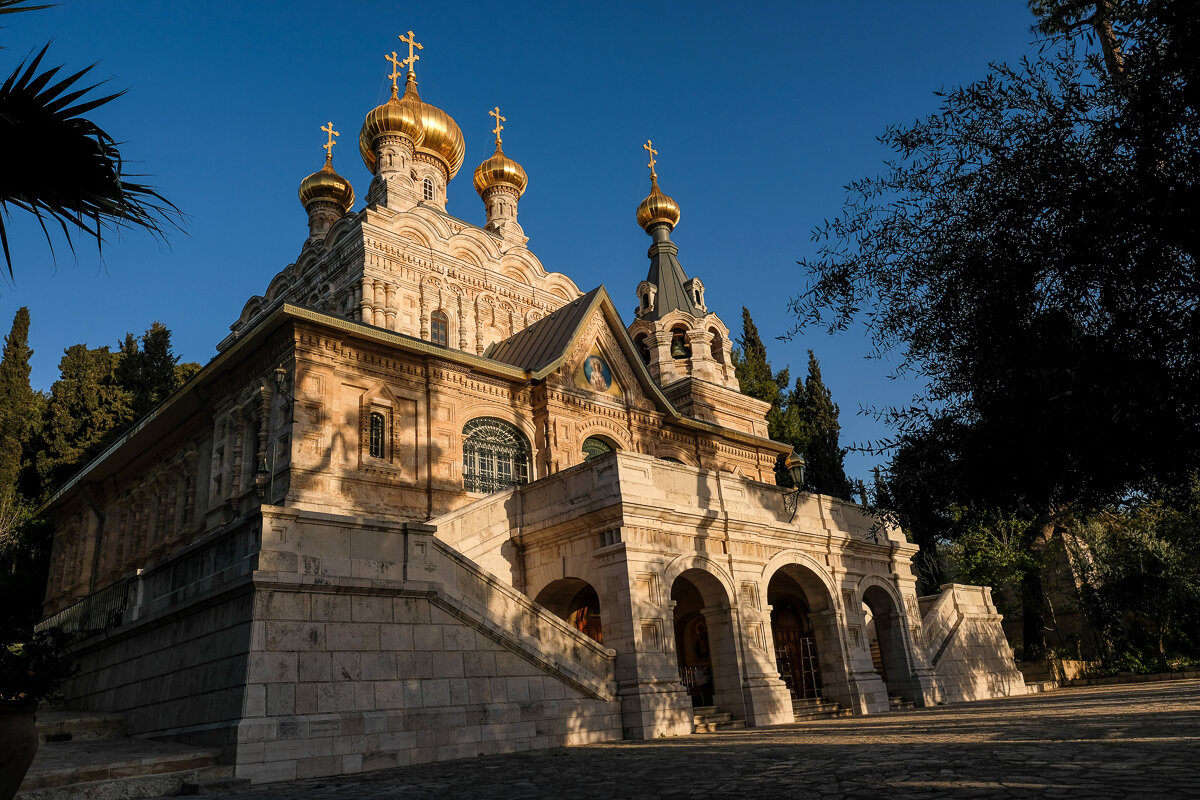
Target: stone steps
(1037, 687)
(86, 756)
(78, 726)
(897, 703)
(817, 708)
(710, 719)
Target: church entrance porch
(809, 650)
(705, 642)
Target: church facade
(431, 500)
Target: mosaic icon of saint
(596, 368)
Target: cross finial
(495, 112)
(412, 43)
(649, 147)
(329, 145)
(396, 65)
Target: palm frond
(64, 168)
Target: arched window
(428, 184)
(643, 347)
(378, 426)
(439, 324)
(718, 346)
(593, 447)
(679, 344)
(496, 455)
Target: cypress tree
(826, 472)
(756, 379)
(17, 401)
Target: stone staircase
(817, 708)
(710, 719)
(898, 703)
(87, 756)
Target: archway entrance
(886, 640)
(575, 601)
(795, 640)
(795, 646)
(704, 641)
(809, 651)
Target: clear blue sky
(761, 113)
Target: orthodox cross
(495, 112)
(396, 64)
(412, 57)
(649, 146)
(329, 145)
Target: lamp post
(795, 466)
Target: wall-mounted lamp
(281, 379)
(795, 466)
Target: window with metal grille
(594, 447)
(428, 189)
(496, 455)
(378, 425)
(439, 324)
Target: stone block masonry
(430, 659)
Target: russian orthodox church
(431, 500)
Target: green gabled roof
(547, 339)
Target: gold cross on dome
(329, 145)
(396, 64)
(649, 146)
(412, 42)
(495, 112)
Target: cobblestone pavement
(1131, 741)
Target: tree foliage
(68, 170)
(1030, 255)
(826, 472)
(18, 407)
(803, 416)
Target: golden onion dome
(399, 115)
(500, 170)
(327, 185)
(657, 207)
(443, 138)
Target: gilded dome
(403, 116)
(657, 207)
(500, 170)
(325, 184)
(443, 138)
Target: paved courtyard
(1131, 741)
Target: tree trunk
(1033, 596)
(1033, 613)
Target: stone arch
(278, 285)
(671, 451)
(559, 285)
(576, 601)
(620, 438)
(807, 634)
(706, 635)
(417, 229)
(251, 309)
(681, 564)
(884, 635)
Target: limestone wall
(375, 645)
(965, 643)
